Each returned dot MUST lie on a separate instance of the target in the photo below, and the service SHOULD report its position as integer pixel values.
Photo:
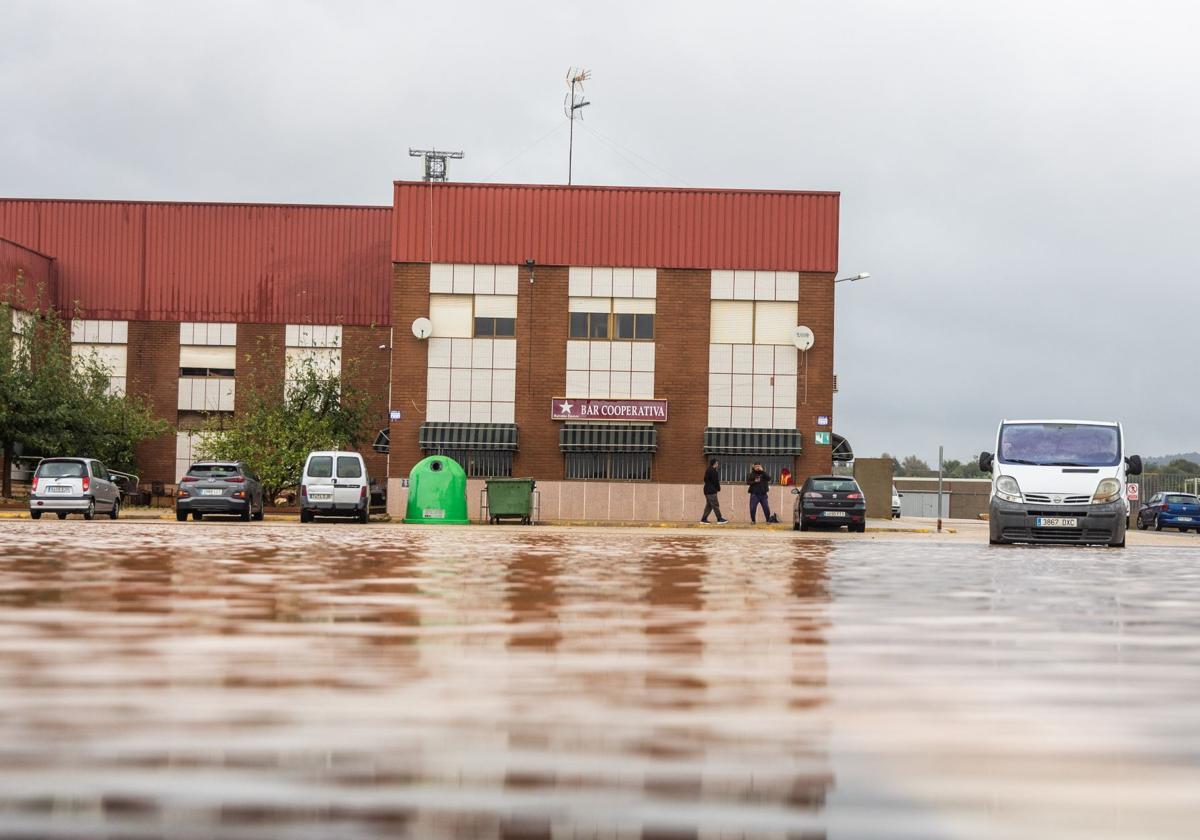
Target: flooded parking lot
(204, 680)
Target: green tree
(914, 466)
(274, 435)
(52, 404)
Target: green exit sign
(822, 438)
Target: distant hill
(1166, 459)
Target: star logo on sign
(565, 407)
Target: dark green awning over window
(608, 437)
(719, 441)
(841, 448)
(438, 436)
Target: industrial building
(605, 341)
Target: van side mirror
(985, 461)
(795, 491)
(1133, 465)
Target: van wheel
(62, 514)
(181, 516)
(116, 509)
(364, 515)
(35, 514)
(305, 516)
(90, 513)
(197, 515)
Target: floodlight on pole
(863, 276)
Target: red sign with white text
(653, 411)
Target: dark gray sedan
(227, 488)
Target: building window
(479, 463)
(622, 319)
(589, 325)
(315, 347)
(735, 469)
(628, 326)
(495, 327)
(105, 343)
(608, 466)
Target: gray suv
(227, 488)
(73, 485)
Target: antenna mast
(575, 78)
(435, 162)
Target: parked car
(221, 487)
(1170, 510)
(335, 484)
(73, 485)
(896, 497)
(835, 500)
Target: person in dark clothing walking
(712, 487)
(758, 485)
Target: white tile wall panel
(481, 412)
(291, 335)
(785, 391)
(439, 352)
(743, 390)
(720, 389)
(645, 306)
(184, 398)
(764, 359)
(579, 281)
(186, 331)
(305, 338)
(104, 332)
(641, 385)
(720, 358)
(437, 412)
(120, 333)
(451, 316)
(460, 352)
(600, 355)
(764, 390)
(764, 285)
(229, 335)
(481, 385)
(504, 385)
(622, 282)
(441, 279)
(762, 418)
(506, 279)
(642, 353)
(645, 282)
(743, 358)
(783, 418)
(578, 355)
(718, 416)
(437, 384)
(481, 353)
(504, 412)
(787, 286)
(785, 360)
(732, 322)
(721, 286)
(460, 412)
(504, 353)
(91, 332)
(602, 282)
(743, 285)
(598, 384)
(621, 355)
(320, 335)
(741, 417)
(77, 331)
(460, 384)
(619, 385)
(577, 383)
(485, 279)
(464, 279)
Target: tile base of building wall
(617, 501)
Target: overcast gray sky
(1020, 178)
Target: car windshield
(61, 469)
(320, 466)
(212, 470)
(834, 485)
(1060, 445)
(1182, 499)
(349, 467)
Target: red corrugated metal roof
(619, 226)
(250, 263)
(26, 276)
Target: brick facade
(542, 327)
(152, 368)
(681, 374)
(410, 357)
(816, 313)
(365, 368)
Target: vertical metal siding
(38, 275)
(664, 228)
(212, 262)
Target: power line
(619, 148)
(530, 147)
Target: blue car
(1170, 510)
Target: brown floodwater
(338, 681)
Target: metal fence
(480, 463)
(1151, 483)
(611, 466)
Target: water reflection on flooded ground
(532, 683)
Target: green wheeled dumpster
(437, 492)
(510, 498)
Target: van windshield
(61, 469)
(1060, 445)
(349, 467)
(320, 466)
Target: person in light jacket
(758, 486)
(712, 487)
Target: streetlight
(862, 276)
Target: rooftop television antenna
(435, 162)
(575, 79)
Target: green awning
(439, 436)
(841, 448)
(721, 441)
(608, 437)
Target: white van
(1059, 481)
(335, 484)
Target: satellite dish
(803, 338)
(422, 328)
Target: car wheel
(258, 517)
(197, 515)
(305, 516)
(1141, 524)
(90, 513)
(181, 516)
(116, 509)
(62, 514)
(245, 514)
(795, 526)
(35, 514)
(1157, 524)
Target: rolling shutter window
(774, 323)
(637, 306)
(590, 304)
(495, 306)
(732, 322)
(224, 358)
(451, 316)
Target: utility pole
(435, 162)
(940, 489)
(575, 78)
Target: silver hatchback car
(73, 485)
